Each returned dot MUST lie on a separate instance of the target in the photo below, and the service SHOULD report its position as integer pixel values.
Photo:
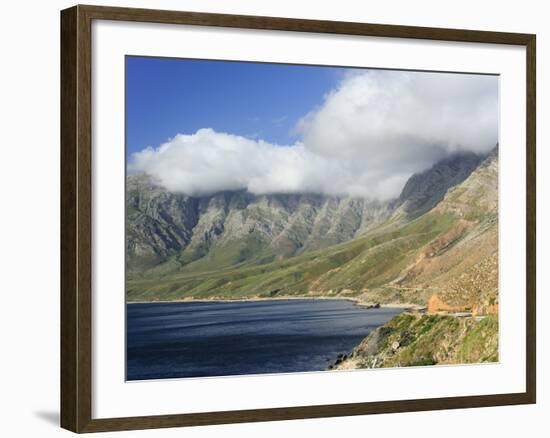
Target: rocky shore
(418, 339)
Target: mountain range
(436, 244)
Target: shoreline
(355, 301)
(358, 302)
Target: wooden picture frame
(76, 218)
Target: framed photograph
(270, 218)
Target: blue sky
(166, 96)
(222, 125)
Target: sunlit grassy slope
(365, 262)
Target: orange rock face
(490, 309)
(436, 304)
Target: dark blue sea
(198, 339)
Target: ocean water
(199, 339)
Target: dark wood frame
(76, 219)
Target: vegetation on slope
(242, 246)
(415, 340)
(170, 232)
(349, 268)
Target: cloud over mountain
(373, 131)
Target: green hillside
(240, 246)
(367, 261)
(417, 340)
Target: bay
(202, 339)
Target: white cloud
(209, 161)
(369, 135)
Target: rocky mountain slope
(230, 228)
(459, 269)
(425, 190)
(169, 232)
(435, 246)
(247, 246)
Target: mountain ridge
(168, 232)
